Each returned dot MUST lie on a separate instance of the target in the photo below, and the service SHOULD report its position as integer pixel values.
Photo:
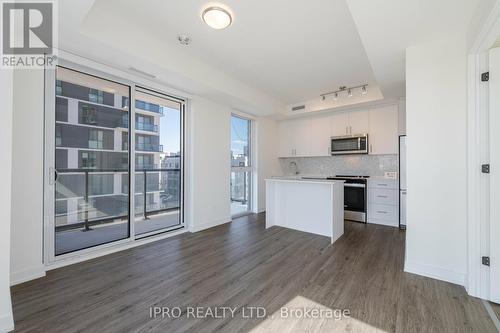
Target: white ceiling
(290, 49)
(388, 27)
(276, 53)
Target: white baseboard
(27, 275)
(207, 225)
(6, 322)
(437, 273)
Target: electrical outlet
(391, 174)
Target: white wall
(209, 160)
(27, 176)
(6, 82)
(267, 159)
(436, 129)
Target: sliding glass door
(241, 166)
(91, 161)
(94, 124)
(158, 162)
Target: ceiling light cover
(217, 17)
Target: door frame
(88, 66)
(477, 283)
(251, 168)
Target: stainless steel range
(355, 201)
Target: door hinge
(485, 168)
(485, 261)
(485, 77)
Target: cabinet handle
(382, 196)
(350, 129)
(382, 184)
(381, 212)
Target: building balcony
(155, 108)
(139, 126)
(149, 147)
(146, 127)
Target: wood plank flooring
(240, 265)
(496, 309)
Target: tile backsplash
(368, 165)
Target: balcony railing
(148, 147)
(146, 127)
(139, 126)
(148, 107)
(167, 202)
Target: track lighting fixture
(349, 90)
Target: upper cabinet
(339, 123)
(287, 137)
(310, 136)
(304, 137)
(349, 123)
(383, 132)
(359, 122)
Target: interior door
(494, 130)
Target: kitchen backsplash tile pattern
(369, 165)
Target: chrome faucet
(293, 166)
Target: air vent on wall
(298, 107)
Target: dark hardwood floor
(242, 264)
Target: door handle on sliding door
(53, 176)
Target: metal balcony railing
(148, 147)
(146, 127)
(147, 208)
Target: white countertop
(299, 179)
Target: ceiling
(276, 52)
(292, 51)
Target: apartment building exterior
(92, 138)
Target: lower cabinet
(383, 202)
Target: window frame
(249, 168)
(52, 90)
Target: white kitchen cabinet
(313, 137)
(383, 130)
(287, 136)
(339, 123)
(304, 137)
(359, 122)
(383, 202)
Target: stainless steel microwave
(351, 144)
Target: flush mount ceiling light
(217, 17)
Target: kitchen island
(315, 206)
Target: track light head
(336, 96)
(364, 91)
(349, 93)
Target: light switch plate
(391, 174)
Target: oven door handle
(355, 185)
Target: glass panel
(91, 207)
(240, 192)
(158, 124)
(240, 142)
(354, 198)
